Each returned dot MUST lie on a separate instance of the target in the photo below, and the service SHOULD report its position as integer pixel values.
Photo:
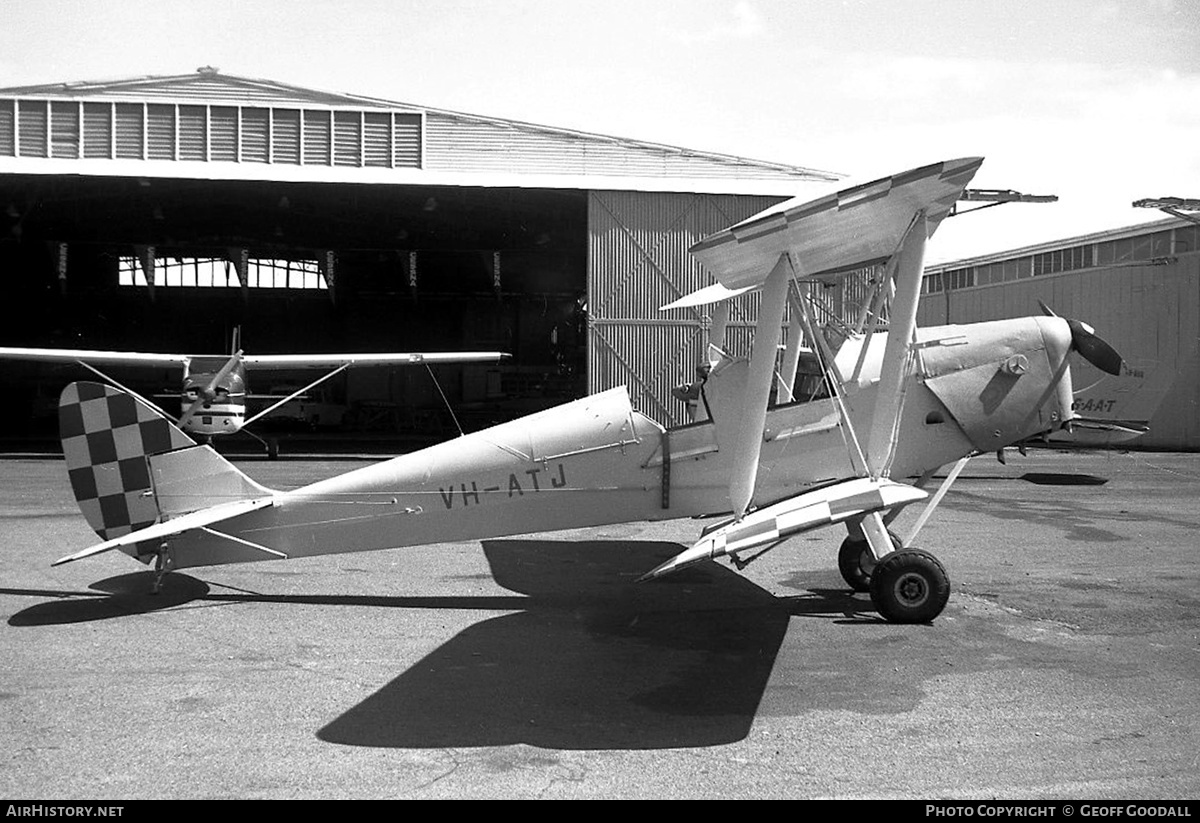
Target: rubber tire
(851, 557)
(910, 586)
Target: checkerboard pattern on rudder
(106, 436)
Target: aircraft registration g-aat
(213, 399)
(897, 403)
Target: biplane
(898, 403)
(215, 387)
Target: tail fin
(131, 468)
(1118, 409)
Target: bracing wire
(449, 408)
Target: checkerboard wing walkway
(106, 437)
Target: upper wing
(851, 228)
(281, 361)
(302, 361)
(131, 358)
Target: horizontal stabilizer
(811, 510)
(167, 528)
(842, 231)
(1088, 431)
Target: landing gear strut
(162, 565)
(907, 585)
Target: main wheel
(856, 562)
(909, 586)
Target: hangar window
(32, 128)
(1142, 248)
(347, 138)
(317, 132)
(285, 136)
(254, 135)
(1081, 257)
(210, 272)
(223, 133)
(960, 278)
(1160, 244)
(160, 132)
(990, 273)
(377, 139)
(1187, 238)
(193, 135)
(406, 138)
(130, 129)
(64, 130)
(97, 130)
(8, 127)
(1123, 250)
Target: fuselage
(596, 460)
(226, 411)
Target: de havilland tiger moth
(898, 402)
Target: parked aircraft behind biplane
(902, 403)
(215, 388)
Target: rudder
(130, 467)
(107, 435)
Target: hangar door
(637, 261)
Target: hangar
(159, 213)
(1140, 288)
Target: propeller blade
(209, 392)
(1091, 346)
(191, 411)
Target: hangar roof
(1124, 233)
(210, 125)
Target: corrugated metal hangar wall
(637, 261)
(1140, 289)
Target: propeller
(1089, 344)
(209, 392)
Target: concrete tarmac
(1066, 665)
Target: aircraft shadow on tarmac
(121, 596)
(1063, 479)
(592, 659)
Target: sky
(1095, 101)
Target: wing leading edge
(302, 361)
(129, 358)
